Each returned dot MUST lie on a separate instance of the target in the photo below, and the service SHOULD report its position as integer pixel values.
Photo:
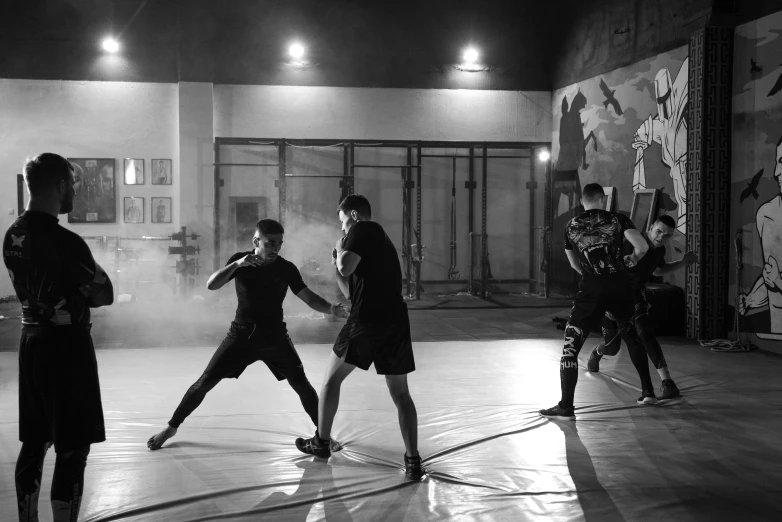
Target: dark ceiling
(375, 43)
(360, 43)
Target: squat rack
(412, 253)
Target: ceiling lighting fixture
(544, 155)
(110, 45)
(296, 51)
(471, 55)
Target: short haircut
(666, 220)
(358, 203)
(592, 192)
(269, 226)
(43, 172)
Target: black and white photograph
(394, 261)
(134, 171)
(134, 209)
(161, 210)
(94, 199)
(161, 171)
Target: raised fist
(690, 258)
(339, 310)
(250, 260)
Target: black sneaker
(413, 468)
(559, 413)
(314, 446)
(593, 364)
(669, 390)
(647, 398)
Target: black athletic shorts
(387, 345)
(598, 295)
(59, 390)
(247, 343)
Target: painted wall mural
(756, 204)
(625, 129)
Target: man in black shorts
(378, 329)
(593, 243)
(653, 263)
(57, 281)
(258, 332)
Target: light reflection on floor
(712, 455)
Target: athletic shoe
(647, 398)
(559, 413)
(413, 468)
(669, 390)
(593, 364)
(335, 446)
(314, 446)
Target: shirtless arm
(574, 262)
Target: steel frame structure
(411, 179)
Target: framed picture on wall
(133, 210)
(161, 172)
(608, 202)
(95, 200)
(642, 214)
(134, 171)
(161, 210)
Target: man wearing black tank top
(378, 329)
(594, 246)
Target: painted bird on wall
(754, 67)
(776, 88)
(752, 187)
(610, 98)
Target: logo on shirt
(17, 241)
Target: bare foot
(156, 441)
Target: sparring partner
(57, 281)
(378, 329)
(653, 263)
(593, 244)
(258, 332)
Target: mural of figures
(756, 202)
(668, 128)
(625, 129)
(767, 290)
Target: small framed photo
(608, 202)
(161, 210)
(161, 172)
(134, 171)
(134, 210)
(643, 212)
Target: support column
(708, 188)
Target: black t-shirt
(260, 290)
(598, 236)
(651, 261)
(47, 264)
(376, 284)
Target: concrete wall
(756, 204)
(180, 121)
(90, 120)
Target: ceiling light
(296, 50)
(471, 55)
(110, 45)
(544, 155)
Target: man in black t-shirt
(593, 244)
(378, 329)
(57, 281)
(653, 263)
(257, 332)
